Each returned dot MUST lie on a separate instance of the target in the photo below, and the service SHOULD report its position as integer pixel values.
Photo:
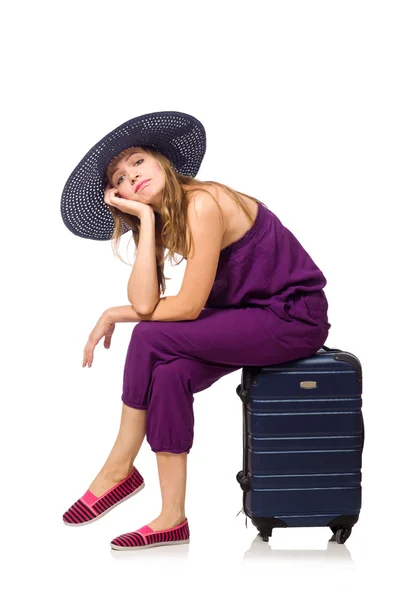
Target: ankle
(116, 471)
(173, 514)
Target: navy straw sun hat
(178, 136)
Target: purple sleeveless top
(268, 267)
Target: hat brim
(178, 136)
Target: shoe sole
(114, 547)
(107, 510)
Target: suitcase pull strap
(242, 511)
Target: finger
(90, 352)
(108, 192)
(111, 199)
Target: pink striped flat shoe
(90, 508)
(145, 537)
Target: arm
(123, 314)
(143, 287)
(168, 309)
(207, 230)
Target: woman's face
(135, 169)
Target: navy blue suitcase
(303, 437)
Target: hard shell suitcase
(303, 437)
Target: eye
(118, 181)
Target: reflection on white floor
(333, 552)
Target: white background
(306, 92)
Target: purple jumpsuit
(266, 306)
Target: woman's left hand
(131, 207)
(104, 328)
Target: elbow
(193, 315)
(142, 310)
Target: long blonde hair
(172, 229)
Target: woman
(251, 295)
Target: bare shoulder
(235, 221)
(205, 197)
(204, 209)
(203, 190)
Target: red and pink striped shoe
(145, 537)
(90, 508)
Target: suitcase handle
(331, 349)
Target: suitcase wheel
(265, 533)
(341, 535)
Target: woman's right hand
(130, 207)
(104, 328)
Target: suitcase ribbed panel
(303, 447)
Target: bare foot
(104, 482)
(166, 522)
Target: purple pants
(168, 361)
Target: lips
(140, 184)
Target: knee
(149, 334)
(141, 329)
